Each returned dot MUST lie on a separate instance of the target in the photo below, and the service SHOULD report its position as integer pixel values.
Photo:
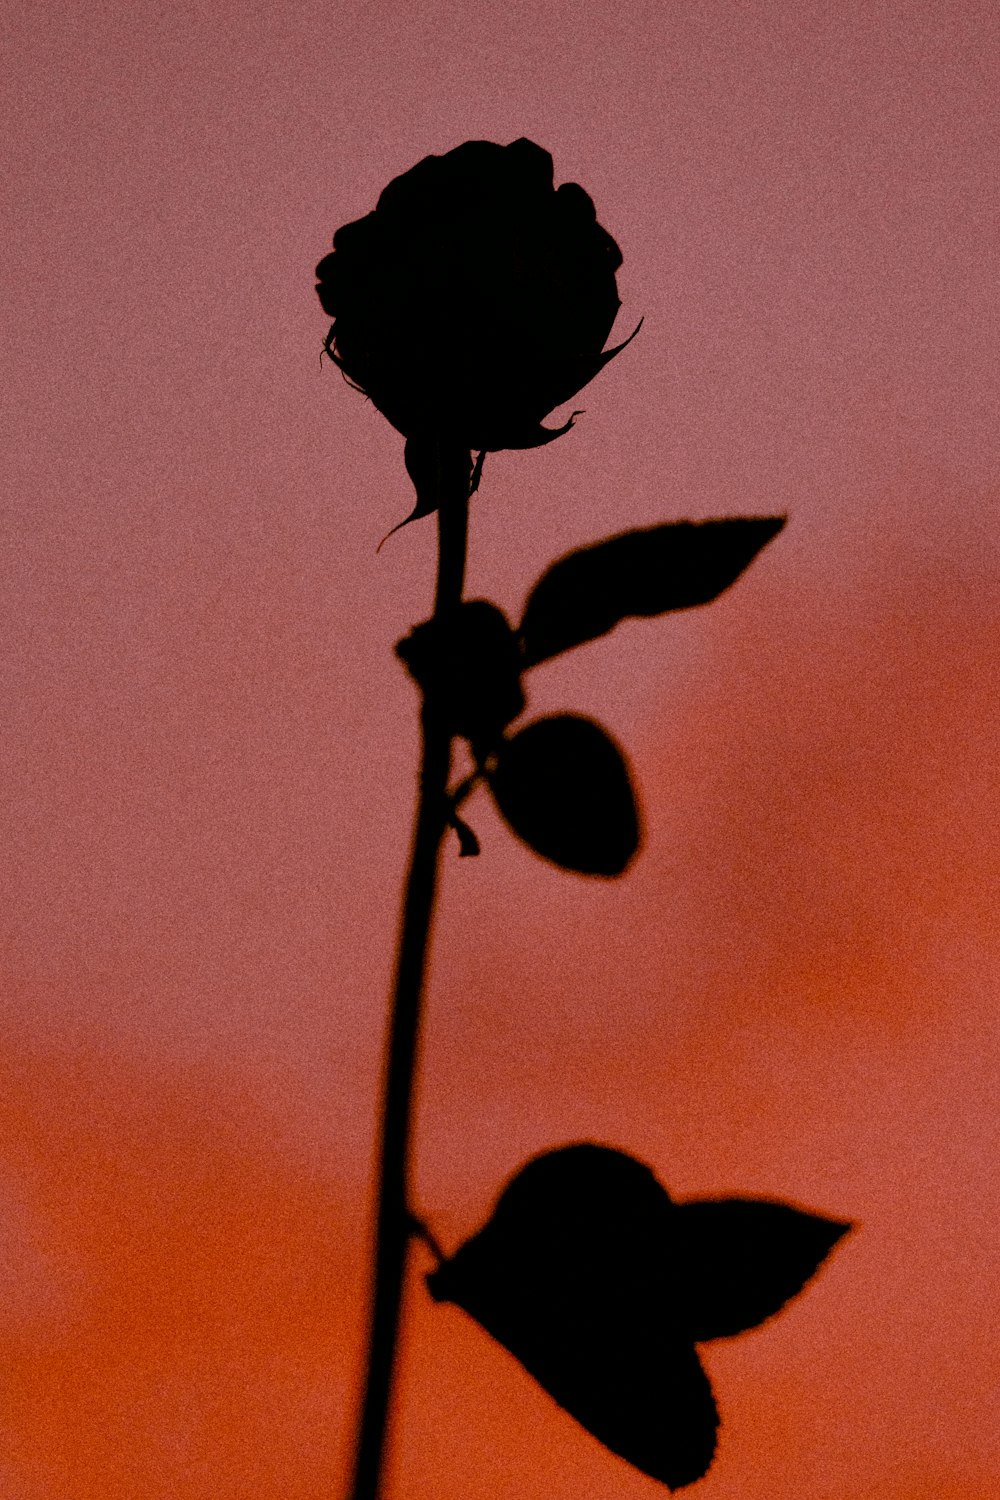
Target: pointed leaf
(437, 467)
(570, 1275)
(647, 572)
(526, 434)
(741, 1259)
(563, 786)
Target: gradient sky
(209, 749)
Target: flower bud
(475, 298)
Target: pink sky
(209, 747)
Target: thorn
(468, 844)
(422, 1232)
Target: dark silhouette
(474, 300)
(470, 663)
(561, 782)
(639, 573)
(564, 788)
(601, 1286)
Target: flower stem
(395, 1224)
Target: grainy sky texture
(208, 747)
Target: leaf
(563, 786)
(677, 566)
(742, 1259)
(438, 469)
(552, 1277)
(600, 1284)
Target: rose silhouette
(474, 299)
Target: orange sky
(209, 747)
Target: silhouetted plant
(601, 1286)
(474, 300)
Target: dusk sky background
(209, 748)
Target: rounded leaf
(568, 1274)
(564, 787)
